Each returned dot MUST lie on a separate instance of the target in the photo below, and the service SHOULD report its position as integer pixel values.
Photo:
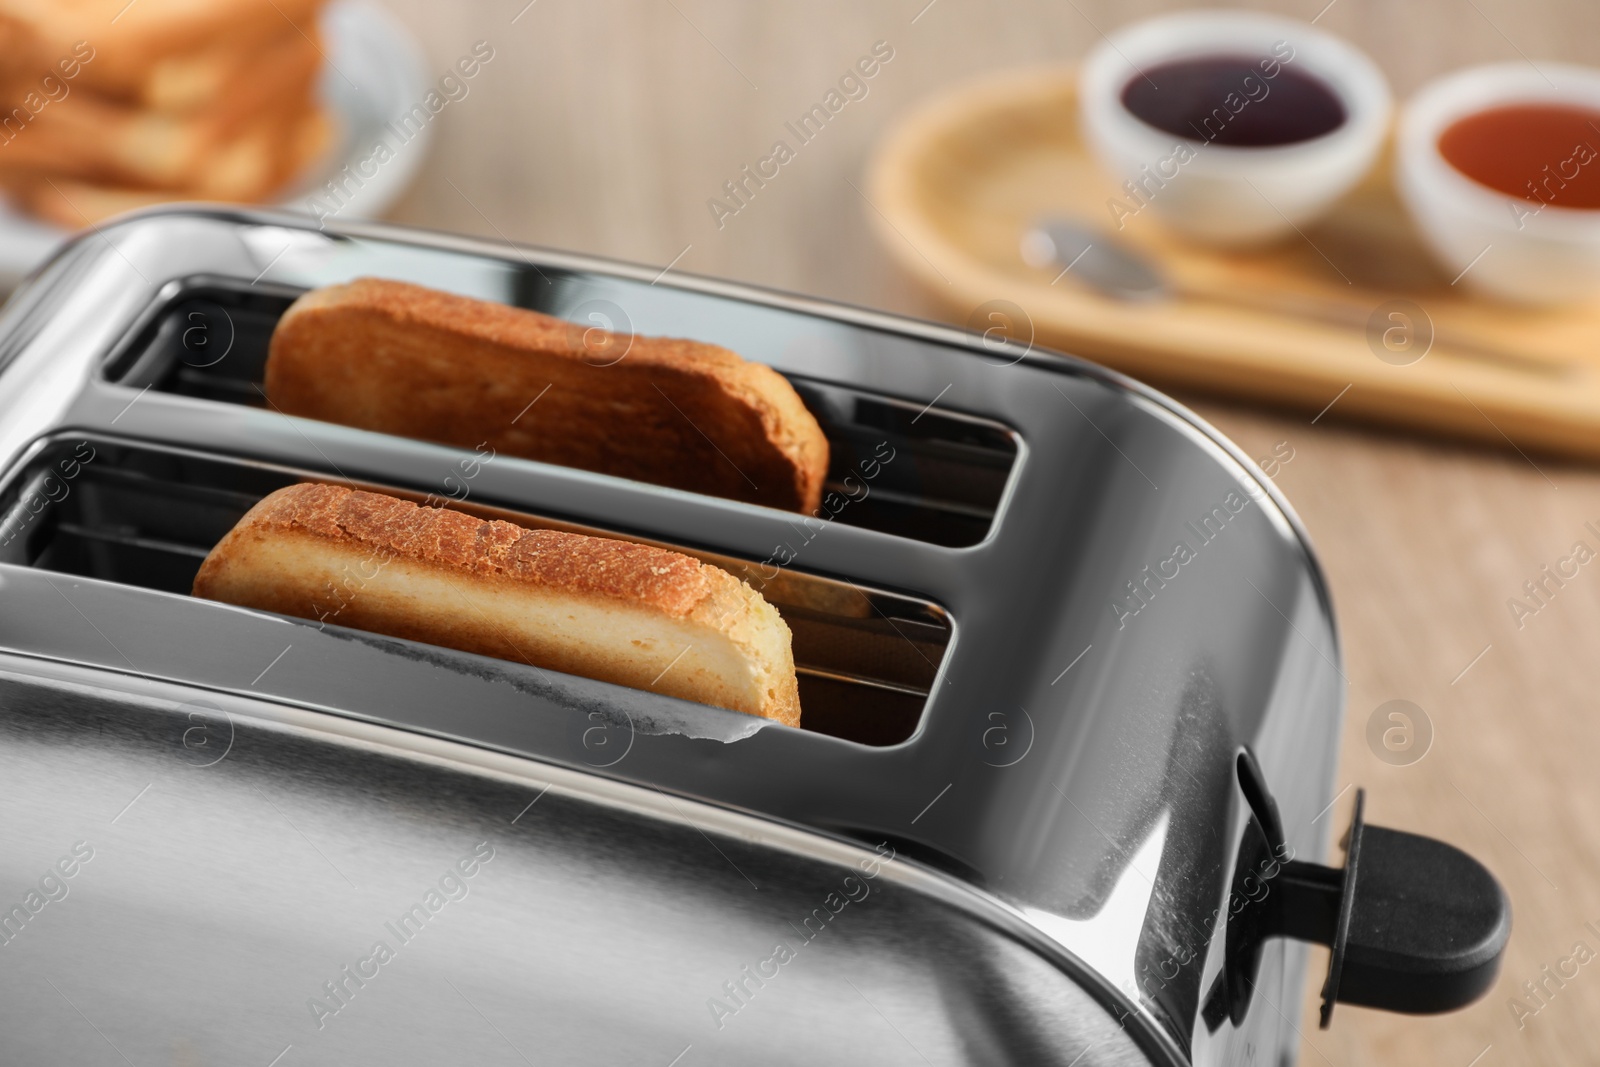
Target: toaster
(1064, 790)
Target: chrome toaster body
(1042, 614)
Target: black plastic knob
(1414, 925)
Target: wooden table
(605, 126)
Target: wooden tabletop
(605, 126)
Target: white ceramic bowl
(1507, 246)
(1231, 195)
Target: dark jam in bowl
(1543, 152)
(1234, 100)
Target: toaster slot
(901, 468)
(147, 516)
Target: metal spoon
(1112, 268)
(1102, 262)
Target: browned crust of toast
(244, 171)
(501, 555)
(399, 358)
(127, 40)
(587, 566)
(102, 141)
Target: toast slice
(121, 43)
(402, 359)
(607, 609)
(241, 79)
(254, 167)
(229, 82)
(88, 138)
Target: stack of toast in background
(107, 105)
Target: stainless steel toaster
(1070, 682)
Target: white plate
(374, 75)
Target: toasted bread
(127, 40)
(607, 609)
(90, 138)
(240, 80)
(401, 359)
(254, 167)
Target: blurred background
(610, 126)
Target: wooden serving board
(957, 184)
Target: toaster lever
(1418, 925)
(1414, 925)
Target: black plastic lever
(1414, 925)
